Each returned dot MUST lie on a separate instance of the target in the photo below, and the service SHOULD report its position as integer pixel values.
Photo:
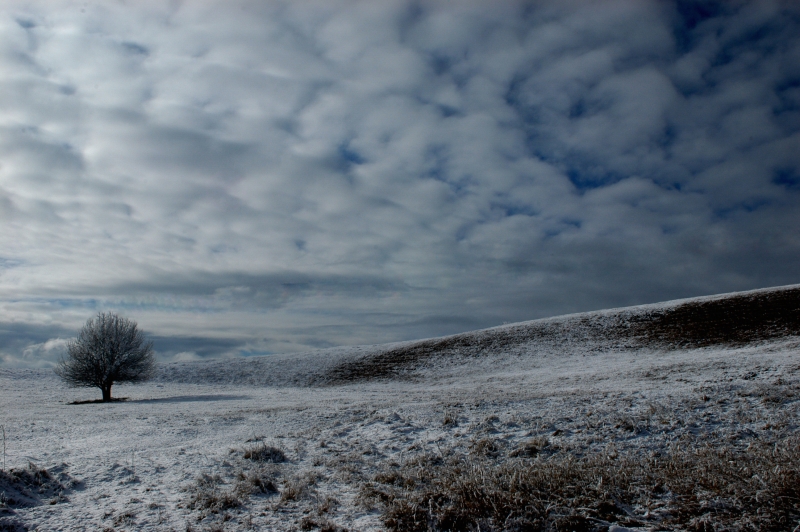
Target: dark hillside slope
(727, 320)
(735, 320)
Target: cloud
(23, 344)
(255, 177)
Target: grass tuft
(208, 495)
(323, 525)
(255, 481)
(261, 452)
(29, 486)
(298, 487)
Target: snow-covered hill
(726, 320)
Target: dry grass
(126, 518)
(261, 452)
(323, 525)
(533, 447)
(690, 487)
(208, 495)
(298, 487)
(211, 494)
(29, 486)
(258, 481)
(485, 447)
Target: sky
(252, 177)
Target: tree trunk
(106, 393)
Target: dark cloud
(255, 177)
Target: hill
(726, 320)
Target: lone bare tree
(108, 349)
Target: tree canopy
(108, 349)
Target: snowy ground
(135, 465)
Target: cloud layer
(251, 177)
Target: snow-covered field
(167, 458)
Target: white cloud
(49, 351)
(186, 356)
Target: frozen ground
(166, 458)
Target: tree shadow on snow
(193, 398)
(175, 399)
(98, 401)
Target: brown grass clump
(261, 452)
(533, 447)
(255, 481)
(691, 487)
(450, 419)
(484, 447)
(298, 487)
(323, 525)
(126, 518)
(29, 486)
(208, 495)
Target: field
(676, 416)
